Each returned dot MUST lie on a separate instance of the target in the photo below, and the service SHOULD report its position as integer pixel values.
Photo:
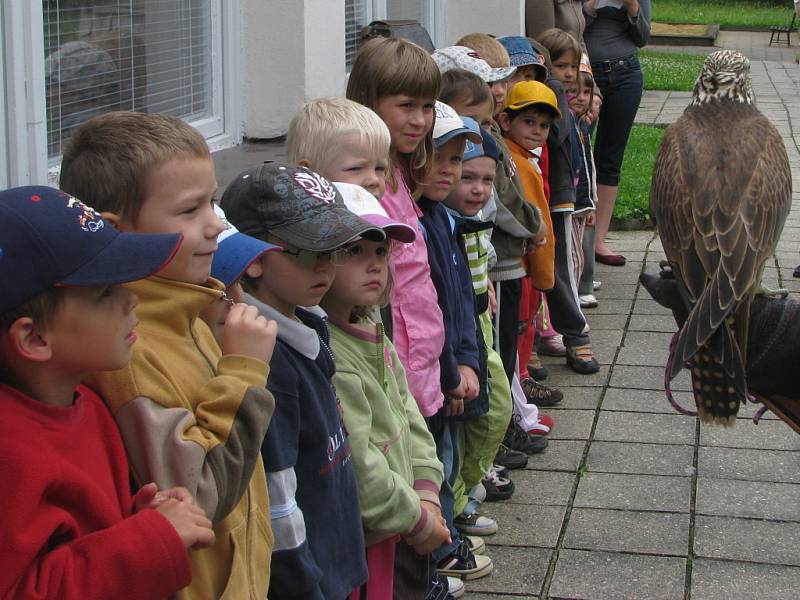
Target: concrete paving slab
(522, 572)
(634, 492)
(561, 455)
(662, 323)
(531, 525)
(599, 322)
(646, 378)
(577, 397)
(643, 459)
(728, 580)
(607, 306)
(747, 539)
(767, 435)
(647, 355)
(628, 531)
(754, 465)
(610, 576)
(645, 428)
(618, 291)
(750, 499)
(646, 306)
(541, 487)
(647, 401)
(571, 424)
(562, 375)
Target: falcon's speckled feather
(720, 194)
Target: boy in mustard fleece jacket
(191, 412)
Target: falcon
(720, 193)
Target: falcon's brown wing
(720, 193)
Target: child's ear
(504, 122)
(255, 269)
(28, 342)
(112, 218)
(304, 162)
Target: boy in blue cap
(69, 526)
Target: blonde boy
(190, 413)
(343, 141)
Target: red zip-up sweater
(66, 527)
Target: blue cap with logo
(235, 251)
(487, 147)
(51, 239)
(521, 53)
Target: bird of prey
(720, 193)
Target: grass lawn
(670, 71)
(727, 13)
(633, 201)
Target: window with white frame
(138, 55)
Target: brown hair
(108, 159)
(487, 47)
(559, 42)
(458, 84)
(389, 66)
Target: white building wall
(292, 50)
(456, 18)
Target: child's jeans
(578, 231)
(446, 437)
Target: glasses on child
(309, 258)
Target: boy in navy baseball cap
(63, 315)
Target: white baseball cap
(461, 57)
(448, 124)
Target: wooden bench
(777, 32)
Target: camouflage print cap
(294, 204)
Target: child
(463, 359)
(468, 95)
(480, 438)
(565, 311)
(312, 482)
(69, 526)
(529, 62)
(400, 82)
(341, 140)
(585, 192)
(491, 51)
(191, 412)
(235, 252)
(393, 452)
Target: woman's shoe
(612, 260)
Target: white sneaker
(596, 285)
(588, 301)
(475, 524)
(456, 587)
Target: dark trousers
(565, 311)
(507, 331)
(620, 81)
(412, 573)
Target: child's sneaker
(588, 301)
(543, 426)
(596, 285)
(475, 524)
(535, 367)
(552, 345)
(497, 488)
(581, 359)
(539, 394)
(455, 587)
(463, 564)
(518, 439)
(510, 459)
(476, 543)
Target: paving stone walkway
(632, 500)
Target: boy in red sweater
(69, 525)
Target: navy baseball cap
(487, 147)
(235, 251)
(51, 239)
(296, 205)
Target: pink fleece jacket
(417, 325)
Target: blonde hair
(559, 42)
(108, 159)
(317, 129)
(488, 48)
(388, 66)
